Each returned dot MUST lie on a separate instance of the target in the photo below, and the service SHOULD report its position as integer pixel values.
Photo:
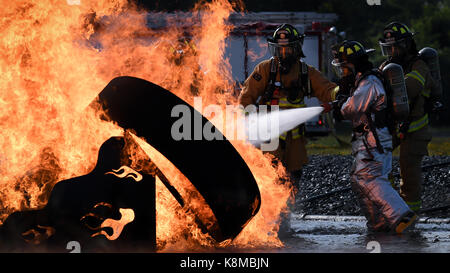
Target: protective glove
(337, 105)
(433, 106)
(437, 107)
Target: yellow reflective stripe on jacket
(297, 101)
(283, 102)
(416, 75)
(295, 134)
(290, 105)
(418, 124)
(426, 93)
(334, 93)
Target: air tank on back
(395, 81)
(431, 58)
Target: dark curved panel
(214, 167)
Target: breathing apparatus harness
(381, 117)
(274, 87)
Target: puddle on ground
(349, 235)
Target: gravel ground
(331, 173)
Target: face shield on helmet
(284, 49)
(350, 57)
(286, 44)
(396, 41)
(342, 68)
(392, 48)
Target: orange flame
(262, 50)
(56, 56)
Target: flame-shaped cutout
(125, 172)
(127, 216)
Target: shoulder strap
(273, 71)
(373, 128)
(375, 71)
(304, 79)
(384, 64)
(268, 92)
(382, 118)
(412, 62)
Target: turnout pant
(412, 150)
(381, 204)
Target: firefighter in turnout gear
(183, 54)
(285, 80)
(423, 91)
(367, 108)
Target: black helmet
(397, 39)
(350, 52)
(286, 42)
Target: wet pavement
(348, 234)
(325, 192)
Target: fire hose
(348, 188)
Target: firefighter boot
(407, 222)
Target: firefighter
(366, 107)
(184, 55)
(285, 80)
(413, 135)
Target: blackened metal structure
(78, 207)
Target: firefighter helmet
(396, 40)
(286, 42)
(352, 52)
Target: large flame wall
(55, 57)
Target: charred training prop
(113, 207)
(231, 191)
(80, 208)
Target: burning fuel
(54, 60)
